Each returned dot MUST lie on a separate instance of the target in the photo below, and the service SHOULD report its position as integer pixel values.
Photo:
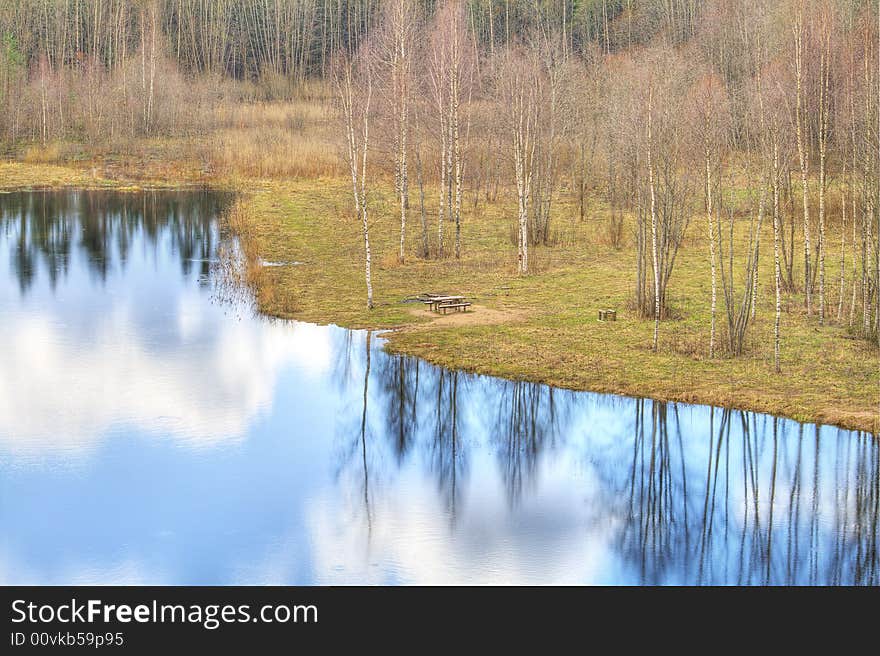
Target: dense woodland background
(761, 114)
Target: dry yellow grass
(294, 115)
(271, 152)
(42, 154)
(298, 208)
(274, 140)
(550, 333)
(241, 141)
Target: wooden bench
(607, 315)
(458, 307)
(435, 302)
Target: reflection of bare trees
(527, 423)
(657, 530)
(447, 453)
(48, 226)
(364, 432)
(400, 384)
(765, 513)
(696, 496)
(416, 412)
(856, 553)
(357, 459)
(343, 356)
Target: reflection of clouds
(200, 391)
(553, 538)
(190, 315)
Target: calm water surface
(154, 430)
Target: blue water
(155, 430)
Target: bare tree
(519, 86)
(662, 218)
(554, 129)
(353, 83)
(775, 151)
(803, 156)
(825, 64)
(451, 70)
(712, 123)
(655, 259)
(396, 45)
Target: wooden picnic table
(435, 301)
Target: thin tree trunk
(153, 18)
(711, 244)
(823, 139)
(842, 252)
(777, 273)
(420, 179)
(653, 227)
(761, 208)
(803, 160)
(855, 269)
(443, 183)
(366, 227)
(357, 162)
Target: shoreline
(392, 338)
(547, 349)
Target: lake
(154, 429)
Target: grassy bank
(542, 327)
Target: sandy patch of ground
(477, 315)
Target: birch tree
(396, 46)
(353, 84)
(518, 90)
(649, 148)
(775, 150)
(712, 122)
(803, 155)
(450, 72)
(664, 176)
(825, 65)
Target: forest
(718, 160)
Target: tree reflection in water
(400, 386)
(356, 455)
(527, 424)
(759, 514)
(447, 453)
(45, 228)
(715, 496)
(671, 493)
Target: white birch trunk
(711, 246)
(357, 164)
(842, 291)
(777, 272)
(823, 139)
(656, 263)
(803, 161)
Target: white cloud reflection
(554, 538)
(202, 386)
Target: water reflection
(43, 228)
(760, 512)
(448, 454)
(147, 435)
(528, 423)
